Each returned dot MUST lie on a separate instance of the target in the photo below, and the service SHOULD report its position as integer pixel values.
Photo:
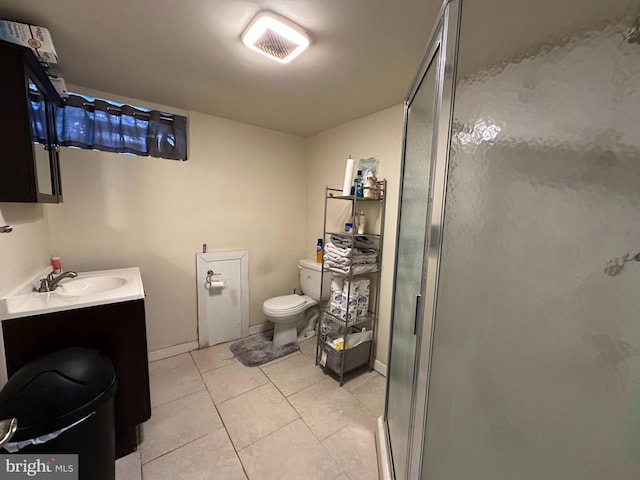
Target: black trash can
(69, 393)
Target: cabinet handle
(417, 314)
(6, 229)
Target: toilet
(294, 315)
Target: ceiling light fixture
(275, 37)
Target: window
(93, 123)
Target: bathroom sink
(90, 285)
(88, 289)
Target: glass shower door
(420, 113)
(535, 369)
(425, 156)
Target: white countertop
(23, 301)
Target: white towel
(337, 251)
(355, 269)
(359, 241)
(355, 253)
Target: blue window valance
(96, 124)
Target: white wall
(243, 187)
(240, 189)
(378, 135)
(25, 251)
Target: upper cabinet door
(38, 111)
(29, 165)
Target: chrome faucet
(50, 283)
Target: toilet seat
(285, 305)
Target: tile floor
(213, 418)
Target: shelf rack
(337, 322)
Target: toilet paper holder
(210, 282)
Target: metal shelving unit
(344, 312)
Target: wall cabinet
(29, 170)
(349, 320)
(117, 330)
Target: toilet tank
(311, 277)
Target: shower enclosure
(515, 340)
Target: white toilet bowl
(293, 317)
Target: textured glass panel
(535, 372)
(411, 251)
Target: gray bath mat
(258, 349)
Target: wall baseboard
(190, 346)
(380, 367)
(173, 351)
(262, 327)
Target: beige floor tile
(252, 415)
(211, 457)
(185, 438)
(372, 394)
(326, 407)
(290, 453)
(308, 347)
(281, 359)
(129, 467)
(178, 422)
(166, 364)
(213, 357)
(232, 380)
(294, 374)
(169, 385)
(354, 449)
(359, 377)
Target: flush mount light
(275, 37)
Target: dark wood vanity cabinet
(29, 164)
(117, 330)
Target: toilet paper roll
(348, 176)
(214, 284)
(337, 297)
(350, 288)
(364, 286)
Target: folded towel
(346, 262)
(359, 241)
(349, 261)
(355, 269)
(337, 251)
(330, 259)
(354, 253)
(333, 261)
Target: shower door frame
(443, 44)
(442, 137)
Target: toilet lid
(285, 302)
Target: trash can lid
(57, 390)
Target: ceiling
(189, 55)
